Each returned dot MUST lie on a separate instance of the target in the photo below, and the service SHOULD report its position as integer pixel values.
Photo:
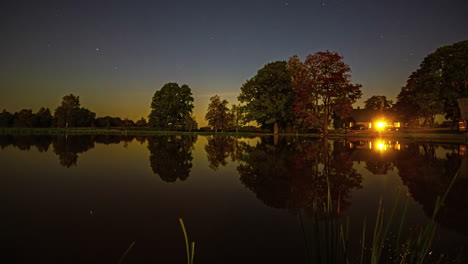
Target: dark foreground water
(85, 199)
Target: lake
(85, 199)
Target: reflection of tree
(41, 142)
(378, 166)
(293, 174)
(219, 148)
(68, 148)
(171, 156)
(428, 177)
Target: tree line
(284, 96)
(68, 114)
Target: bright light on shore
(381, 125)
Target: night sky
(116, 54)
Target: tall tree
(268, 96)
(217, 114)
(322, 85)
(65, 114)
(171, 107)
(378, 102)
(434, 88)
(236, 116)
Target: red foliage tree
(322, 87)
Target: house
(463, 122)
(380, 119)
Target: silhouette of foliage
(322, 88)
(68, 148)
(295, 173)
(171, 156)
(218, 149)
(268, 96)
(171, 108)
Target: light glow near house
(381, 125)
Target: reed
(330, 235)
(126, 252)
(190, 248)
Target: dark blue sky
(116, 54)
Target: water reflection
(219, 148)
(293, 173)
(42, 143)
(171, 156)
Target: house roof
(463, 105)
(369, 115)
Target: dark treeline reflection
(219, 148)
(428, 176)
(292, 173)
(66, 147)
(171, 156)
(427, 170)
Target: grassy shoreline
(426, 135)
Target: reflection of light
(381, 146)
(397, 146)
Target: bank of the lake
(423, 135)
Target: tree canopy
(171, 108)
(66, 113)
(322, 88)
(433, 89)
(218, 115)
(378, 102)
(268, 96)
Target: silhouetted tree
(236, 117)
(378, 102)
(322, 86)
(217, 114)
(23, 118)
(171, 107)
(6, 119)
(141, 123)
(434, 88)
(268, 96)
(66, 113)
(43, 118)
(84, 118)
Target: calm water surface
(85, 199)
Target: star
(97, 49)
(286, 3)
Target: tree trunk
(275, 128)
